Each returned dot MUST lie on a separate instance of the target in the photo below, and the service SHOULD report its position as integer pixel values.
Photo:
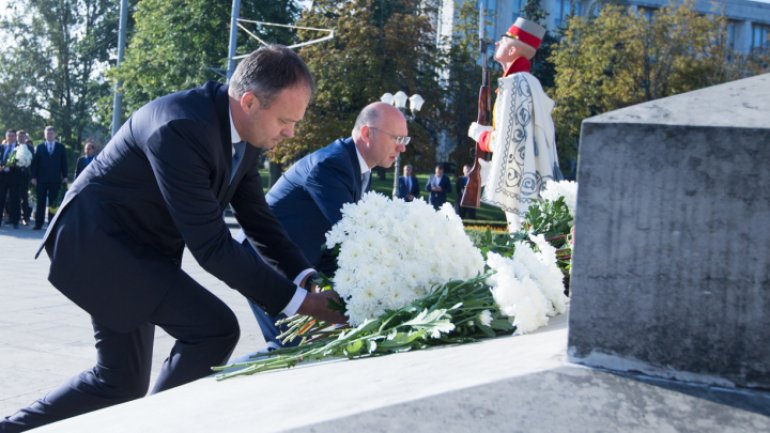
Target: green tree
(379, 46)
(52, 67)
(179, 44)
(620, 58)
(463, 80)
(542, 65)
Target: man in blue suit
(408, 185)
(308, 198)
(48, 172)
(160, 185)
(439, 186)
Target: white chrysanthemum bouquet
(21, 157)
(411, 278)
(392, 252)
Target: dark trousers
(206, 331)
(9, 194)
(45, 191)
(26, 209)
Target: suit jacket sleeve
(331, 184)
(415, 186)
(401, 192)
(35, 163)
(446, 185)
(260, 224)
(181, 157)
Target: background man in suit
(26, 209)
(48, 172)
(408, 185)
(160, 184)
(88, 156)
(439, 186)
(11, 178)
(308, 198)
(462, 182)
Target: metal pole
(118, 97)
(233, 38)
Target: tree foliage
(463, 81)
(179, 44)
(379, 47)
(620, 58)
(51, 70)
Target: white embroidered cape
(522, 143)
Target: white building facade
(748, 28)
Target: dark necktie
(238, 149)
(365, 181)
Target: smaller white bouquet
(21, 157)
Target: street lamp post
(399, 100)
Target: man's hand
(475, 131)
(317, 305)
(33, 181)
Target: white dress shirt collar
(362, 163)
(234, 136)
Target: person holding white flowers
(308, 198)
(11, 178)
(522, 136)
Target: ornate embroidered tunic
(522, 143)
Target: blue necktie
(238, 149)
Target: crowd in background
(438, 187)
(32, 176)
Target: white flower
(517, 295)
(485, 317)
(22, 157)
(564, 188)
(528, 287)
(392, 252)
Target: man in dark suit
(308, 198)
(408, 185)
(439, 186)
(462, 182)
(88, 156)
(160, 184)
(48, 172)
(11, 179)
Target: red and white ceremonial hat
(529, 32)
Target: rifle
(472, 194)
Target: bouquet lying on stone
(411, 278)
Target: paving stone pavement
(45, 339)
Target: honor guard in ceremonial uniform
(521, 137)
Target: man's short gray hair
(267, 71)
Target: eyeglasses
(402, 140)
